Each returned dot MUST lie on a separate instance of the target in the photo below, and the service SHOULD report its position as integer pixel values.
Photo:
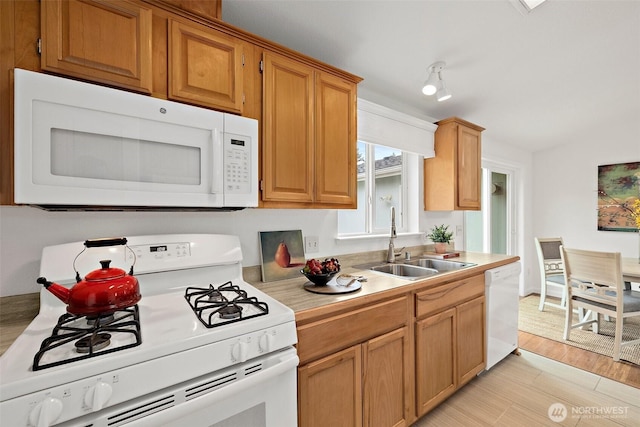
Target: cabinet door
(435, 356)
(386, 381)
(329, 390)
(287, 147)
(102, 41)
(469, 168)
(470, 339)
(335, 141)
(205, 67)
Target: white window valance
(384, 126)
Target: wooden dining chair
(597, 285)
(551, 269)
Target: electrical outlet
(459, 230)
(311, 244)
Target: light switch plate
(311, 244)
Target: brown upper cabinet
(209, 9)
(309, 136)
(452, 179)
(205, 67)
(108, 42)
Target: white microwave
(83, 146)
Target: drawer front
(329, 335)
(439, 298)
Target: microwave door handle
(217, 162)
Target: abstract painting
(618, 189)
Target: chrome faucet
(391, 253)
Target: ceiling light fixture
(434, 83)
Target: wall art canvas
(618, 189)
(282, 254)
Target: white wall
(24, 231)
(565, 189)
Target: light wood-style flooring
(622, 371)
(520, 390)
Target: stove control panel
(159, 252)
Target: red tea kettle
(102, 291)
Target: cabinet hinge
(261, 65)
(244, 99)
(261, 185)
(243, 59)
(39, 46)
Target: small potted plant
(441, 236)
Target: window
(381, 172)
(390, 146)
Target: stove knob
(98, 395)
(46, 412)
(239, 351)
(266, 342)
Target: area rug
(550, 324)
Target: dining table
(631, 270)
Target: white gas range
(179, 365)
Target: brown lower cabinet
(362, 385)
(450, 340)
(389, 362)
(362, 375)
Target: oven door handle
(176, 413)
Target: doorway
(493, 229)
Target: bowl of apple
(320, 272)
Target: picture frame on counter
(281, 254)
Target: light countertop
(305, 304)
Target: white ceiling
(556, 75)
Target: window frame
(414, 138)
(406, 221)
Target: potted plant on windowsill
(440, 236)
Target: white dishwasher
(502, 285)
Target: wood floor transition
(624, 372)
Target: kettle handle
(103, 242)
(99, 243)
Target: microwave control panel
(237, 164)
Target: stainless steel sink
(405, 271)
(417, 268)
(439, 264)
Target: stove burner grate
(225, 304)
(90, 335)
